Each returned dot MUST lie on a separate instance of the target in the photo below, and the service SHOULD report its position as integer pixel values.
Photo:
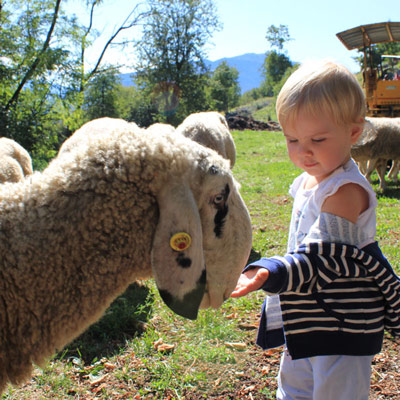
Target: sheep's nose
(188, 306)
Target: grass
(140, 350)
(266, 113)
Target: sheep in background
(394, 171)
(123, 206)
(99, 126)
(15, 161)
(159, 127)
(379, 143)
(211, 130)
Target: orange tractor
(382, 76)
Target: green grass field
(140, 350)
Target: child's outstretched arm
(250, 280)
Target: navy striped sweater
(335, 298)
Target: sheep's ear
(177, 253)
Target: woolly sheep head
(210, 129)
(203, 237)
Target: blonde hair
(321, 88)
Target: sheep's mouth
(213, 301)
(187, 306)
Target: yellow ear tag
(180, 241)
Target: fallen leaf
(157, 343)
(165, 347)
(249, 326)
(95, 380)
(236, 345)
(265, 370)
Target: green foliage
(101, 95)
(173, 40)
(249, 96)
(376, 51)
(274, 68)
(45, 92)
(267, 112)
(30, 71)
(133, 104)
(277, 36)
(276, 62)
(224, 90)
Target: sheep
(95, 127)
(379, 143)
(394, 171)
(122, 206)
(211, 130)
(15, 161)
(159, 127)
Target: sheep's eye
(218, 199)
(213, 170)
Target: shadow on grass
(124, 319)
(254, 256)
(390, 192)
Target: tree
(277, 36)
(101, 96)
(43, 56)
(42, 71)
(376, 51)
(276, 62)
(224, 89)
(274, 67)
(80, 77)
(32, 59)
(171, 56)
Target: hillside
(248, 65)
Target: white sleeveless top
(308, 202)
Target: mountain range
(248, 65)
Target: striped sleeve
(310, 269)
(315, 265)
(376, 265)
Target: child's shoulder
(349, 201)
(347, 174)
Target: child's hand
(251, 280)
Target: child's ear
(356, 130)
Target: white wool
(210, 129)
(15, 161)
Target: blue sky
(312, 24)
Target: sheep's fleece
(15, 161)
(210, 129)
(121, 206)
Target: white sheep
(160, 127)
(211, 130)
(379, 143)
(123, 206)
(15, 161)
(98, 126)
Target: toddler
(333, 303)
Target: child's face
(319, 146)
